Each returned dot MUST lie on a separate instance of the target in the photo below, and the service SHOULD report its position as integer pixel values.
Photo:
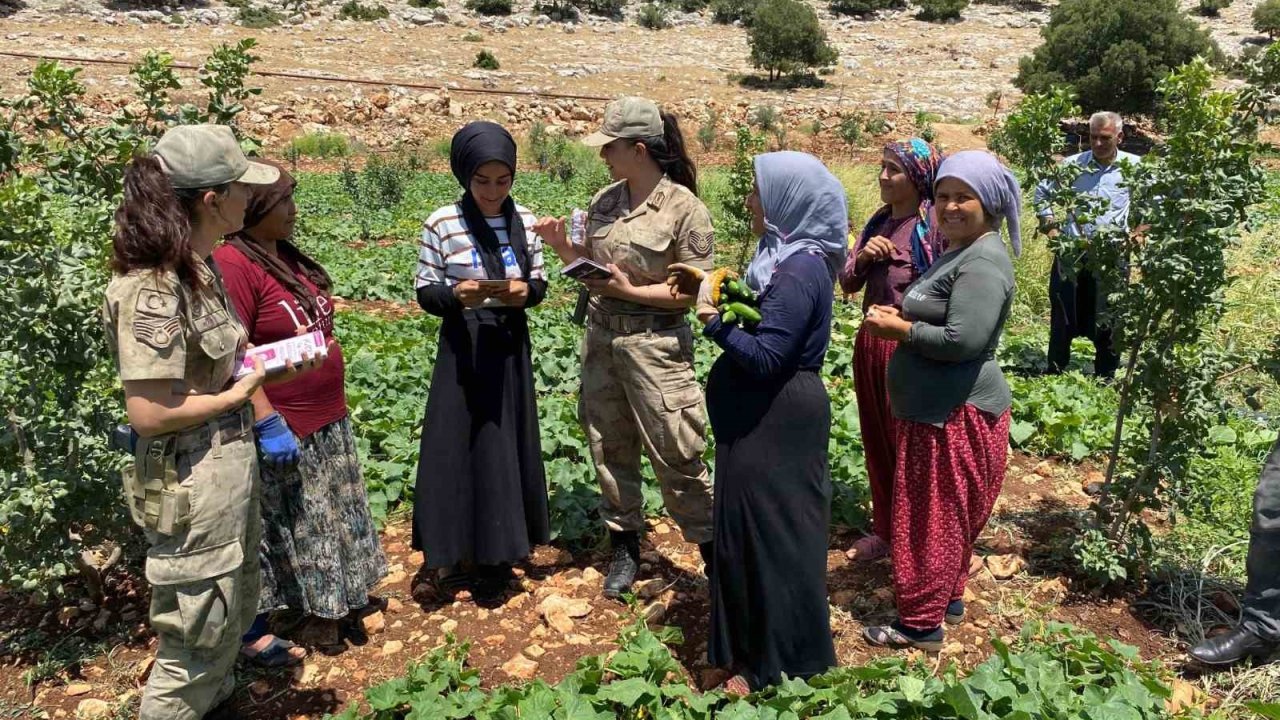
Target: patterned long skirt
(945, 486)
(320, 552)
(879, 428)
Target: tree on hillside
(1266, 18)
(786, 38)
(1113, 53)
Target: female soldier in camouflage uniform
(194, 486)
(638, 385)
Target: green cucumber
(741, 291)
(746, 312)
(728, 317)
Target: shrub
(353, 10)
(936, 10)
(472, 37)
(1266, 18)
(708, 131)
(1132, 45)
(728, 12)
(557, 10)
(692, 6)
(924, 126)
(850, 130)
(765, 117)
(864, 7)
(1211, 8)
(876, 125)
(321, 145)
(486, 60)
(611, 9)
(653, 16)
(786, 38)
(256, 17)
(425, 4)
(490, 7)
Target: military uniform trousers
(205, 580)
(1262, 593)
(639, 389)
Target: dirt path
(1016, 579)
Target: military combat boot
(624, 564)
(1231, 648)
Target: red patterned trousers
(945, 486)
(875, 418)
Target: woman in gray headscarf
(772, 419)
(950, 398)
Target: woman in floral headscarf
(897, 245)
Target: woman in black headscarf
(481, 500)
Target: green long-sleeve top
(958, 309)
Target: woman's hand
(885, 321)
(617, 286)
(516, 294)
(245, 387)
(470, 293)
(552, 231)
(877, 249)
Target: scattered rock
(579, 113)
(650, 589)
(1185, 697)
(100, 622)
(495, 640)
(392, 647)
(394, 578)
(259, 687)
(841, 598)
(144, 669)
(559, 611)
(77, 689)
(394, 605)
(306, 674)
(1003, 567)
(592, 576)
(335, 674)
(655, 612)
(975, 565)
(93, 709)
(448, 626)
(520, 667)
(374, 623)
(535, 651)
(953, 648)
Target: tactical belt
(154, 492)
(228, 426)
(632, 324)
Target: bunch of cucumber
(737, 302)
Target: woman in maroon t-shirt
(897, 245)
(320, 550)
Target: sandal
(868, 548)
(891, 637)
(275, 655)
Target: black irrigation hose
(322, 78)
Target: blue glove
(276, 442)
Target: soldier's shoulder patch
(700, 242)
(657, 199)
(158, 332)
(156, 302)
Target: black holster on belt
(580, 310)
(152, 490)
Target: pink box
(277, 355)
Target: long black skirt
(481, 494)
(769, 611)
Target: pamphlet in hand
(277, 355)
(586, 269)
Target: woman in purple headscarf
(772, 420)
(895, 248)
(950, 398)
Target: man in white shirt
(1076, 303)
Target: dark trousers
(1075, 306)
(1262, 593)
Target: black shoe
(624, 565)
(492, 582)
(1231, 648)
(708, 550)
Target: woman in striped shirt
(481, 499)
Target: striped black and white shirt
(449, 254)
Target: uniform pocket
(197, 612)
(685, 424)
